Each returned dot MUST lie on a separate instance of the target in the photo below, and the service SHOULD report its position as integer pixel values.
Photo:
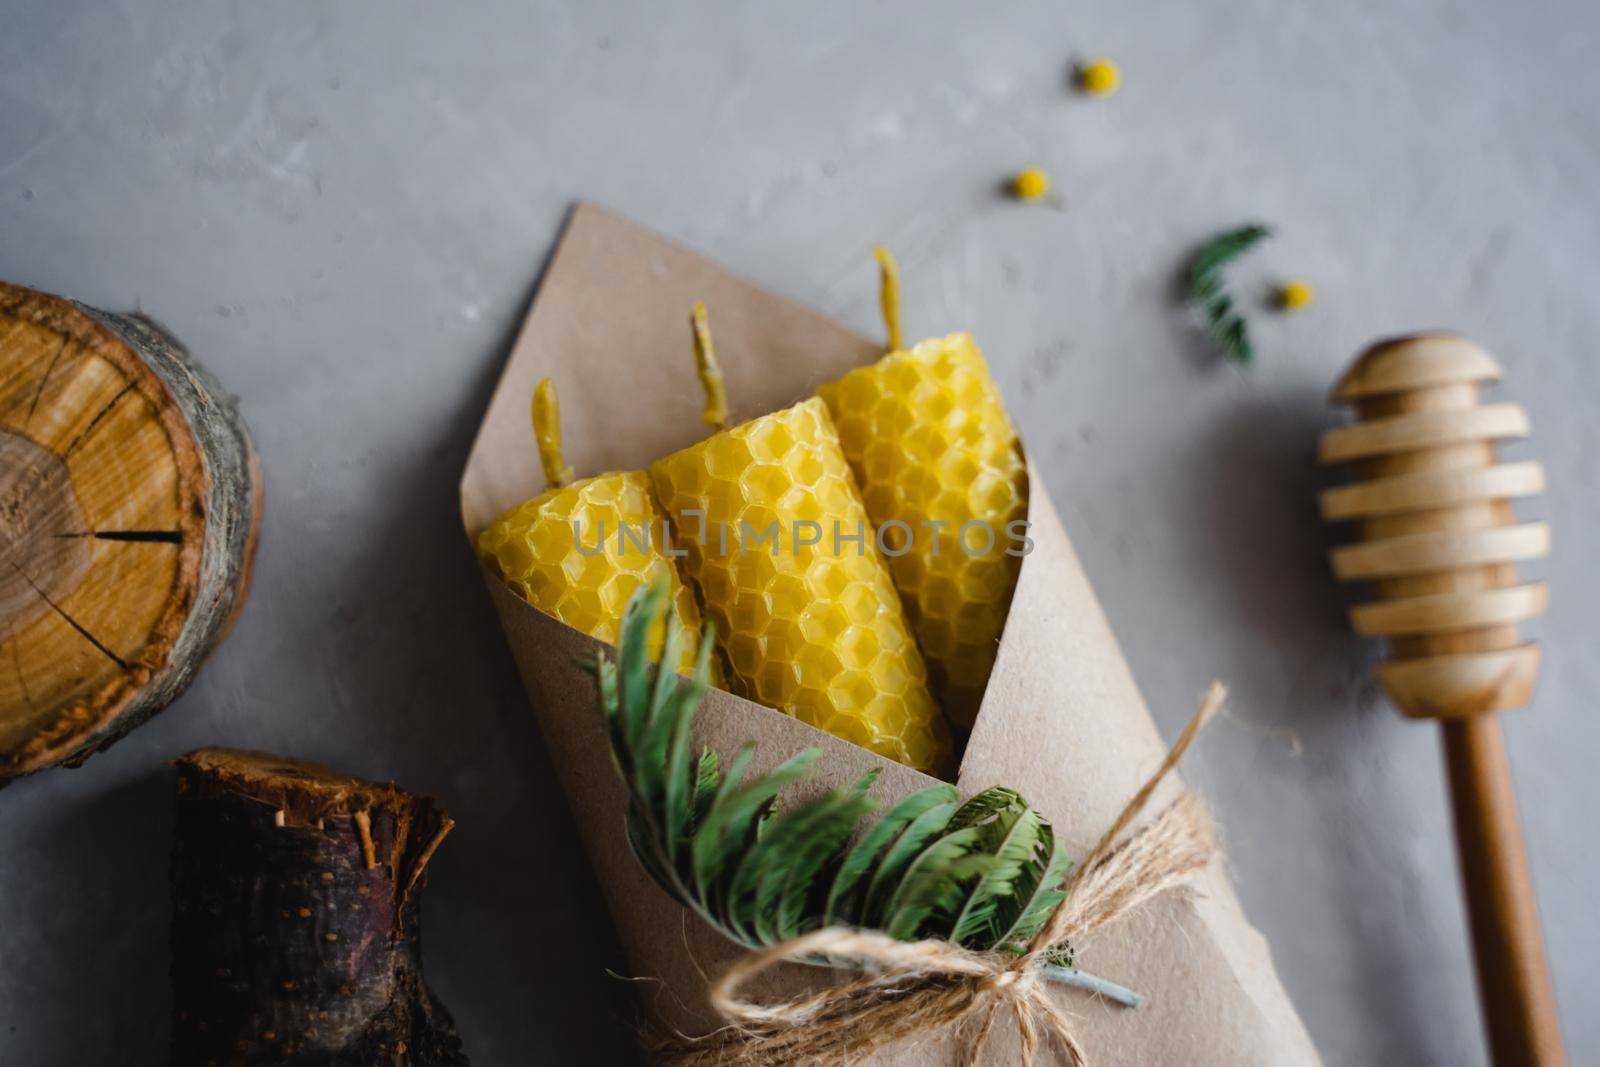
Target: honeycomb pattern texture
(813, 629)
(535, 550)
(929, 440)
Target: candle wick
(547, 432)
(710, 371)
(889, 294)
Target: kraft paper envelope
(1062, 720)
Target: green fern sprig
(1224, 323)
(985, 873)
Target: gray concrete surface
(343, 209)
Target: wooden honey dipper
(1439, 544)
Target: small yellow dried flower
(1297, 294)
(1031, 184)
(1099, 77)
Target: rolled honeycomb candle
(778, 543)
(931, 446)
(578, 551)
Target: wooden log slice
(295, 938)
(130, 498)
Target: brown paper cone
(1062, 720)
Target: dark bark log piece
(295, 901)
(129, 505)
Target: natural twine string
(923, 987)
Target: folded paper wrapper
(1062, 720)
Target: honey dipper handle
(1513, 980)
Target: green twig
(1224, 323)
(1094, 984)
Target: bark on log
(130, 498)
(295, 931)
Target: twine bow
(924, 987)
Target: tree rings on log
(130, 498)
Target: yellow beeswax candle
(931, 446)
(578, 551)
(780, 548)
